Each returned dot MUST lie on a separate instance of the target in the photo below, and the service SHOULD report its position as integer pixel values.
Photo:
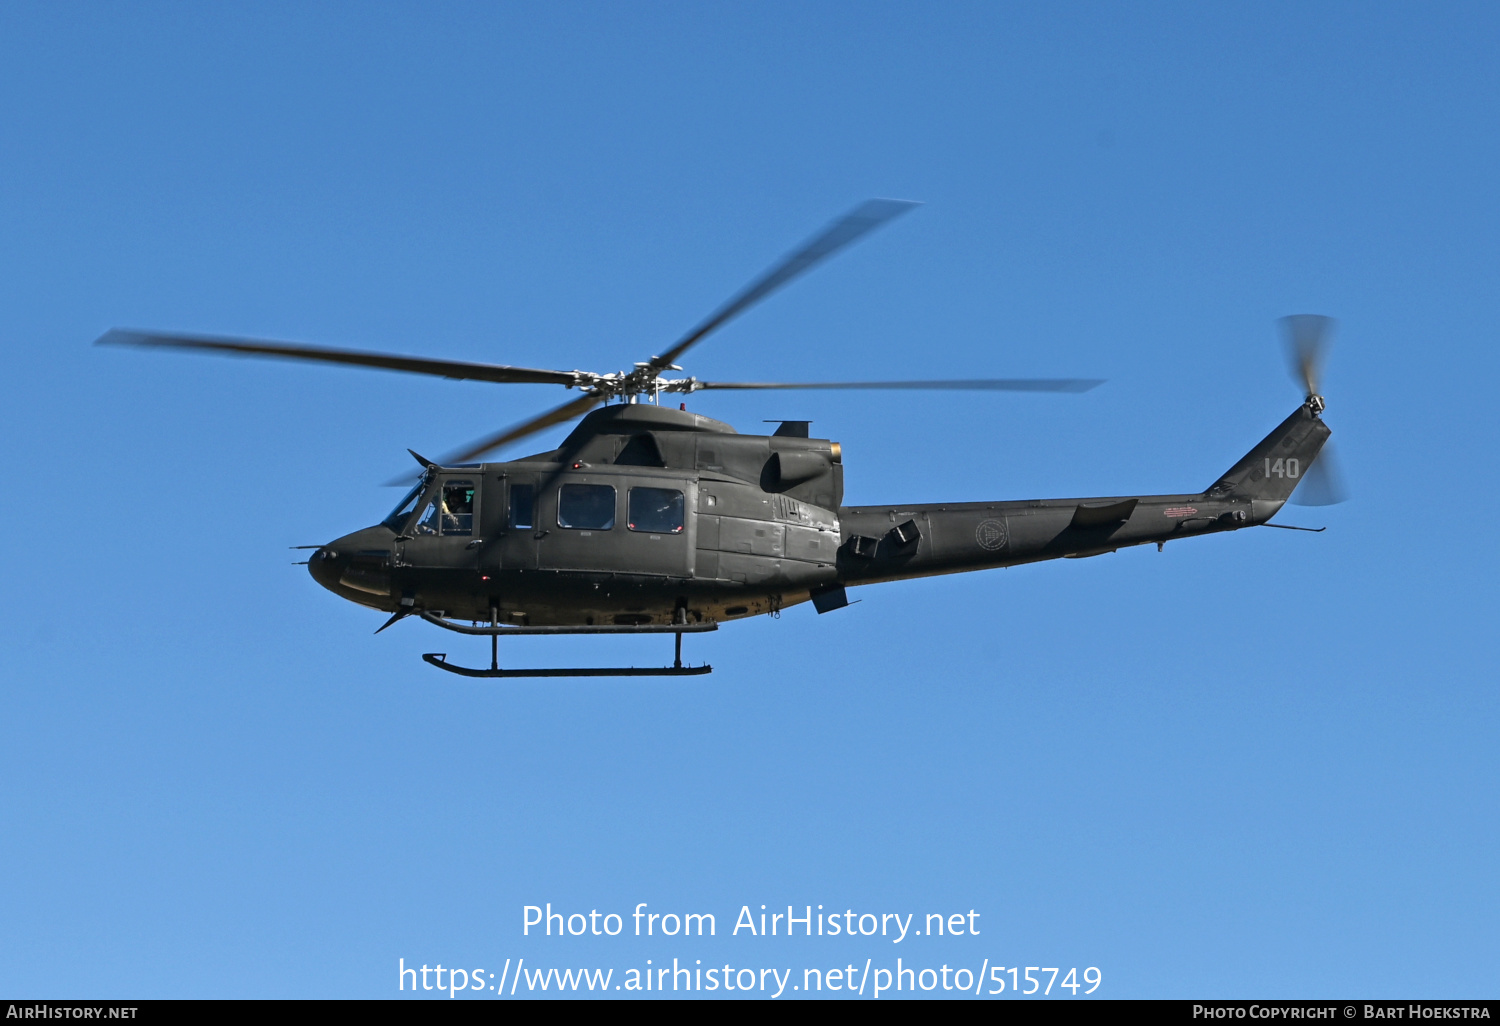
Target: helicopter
(653, 520)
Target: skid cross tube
(494, 631)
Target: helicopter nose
(327, 565)
(356, 566)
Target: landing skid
(495, 632)
(439, 659)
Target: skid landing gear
(495, 632)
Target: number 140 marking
(1283, 468)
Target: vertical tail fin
(1271, 471)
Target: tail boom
(889, 543)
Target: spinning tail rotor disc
(1307, 338)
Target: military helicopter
(654, 520)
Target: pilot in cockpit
(458, 509)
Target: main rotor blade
(959, 385)
(411, 364)
(471, 452)
(1322, 485)
(1307, 338)
(861, 220)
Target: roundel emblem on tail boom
(992, 534)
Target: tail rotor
(1307, 338)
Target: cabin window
(657, 510)
(522, 500)
(586, 507)
(451, 510)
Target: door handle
(475, 543)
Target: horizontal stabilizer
(826, 600)
(1104, 516)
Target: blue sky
(1259, 765)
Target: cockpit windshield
(404, 507)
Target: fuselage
(648, 515)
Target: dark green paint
(764, 528)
